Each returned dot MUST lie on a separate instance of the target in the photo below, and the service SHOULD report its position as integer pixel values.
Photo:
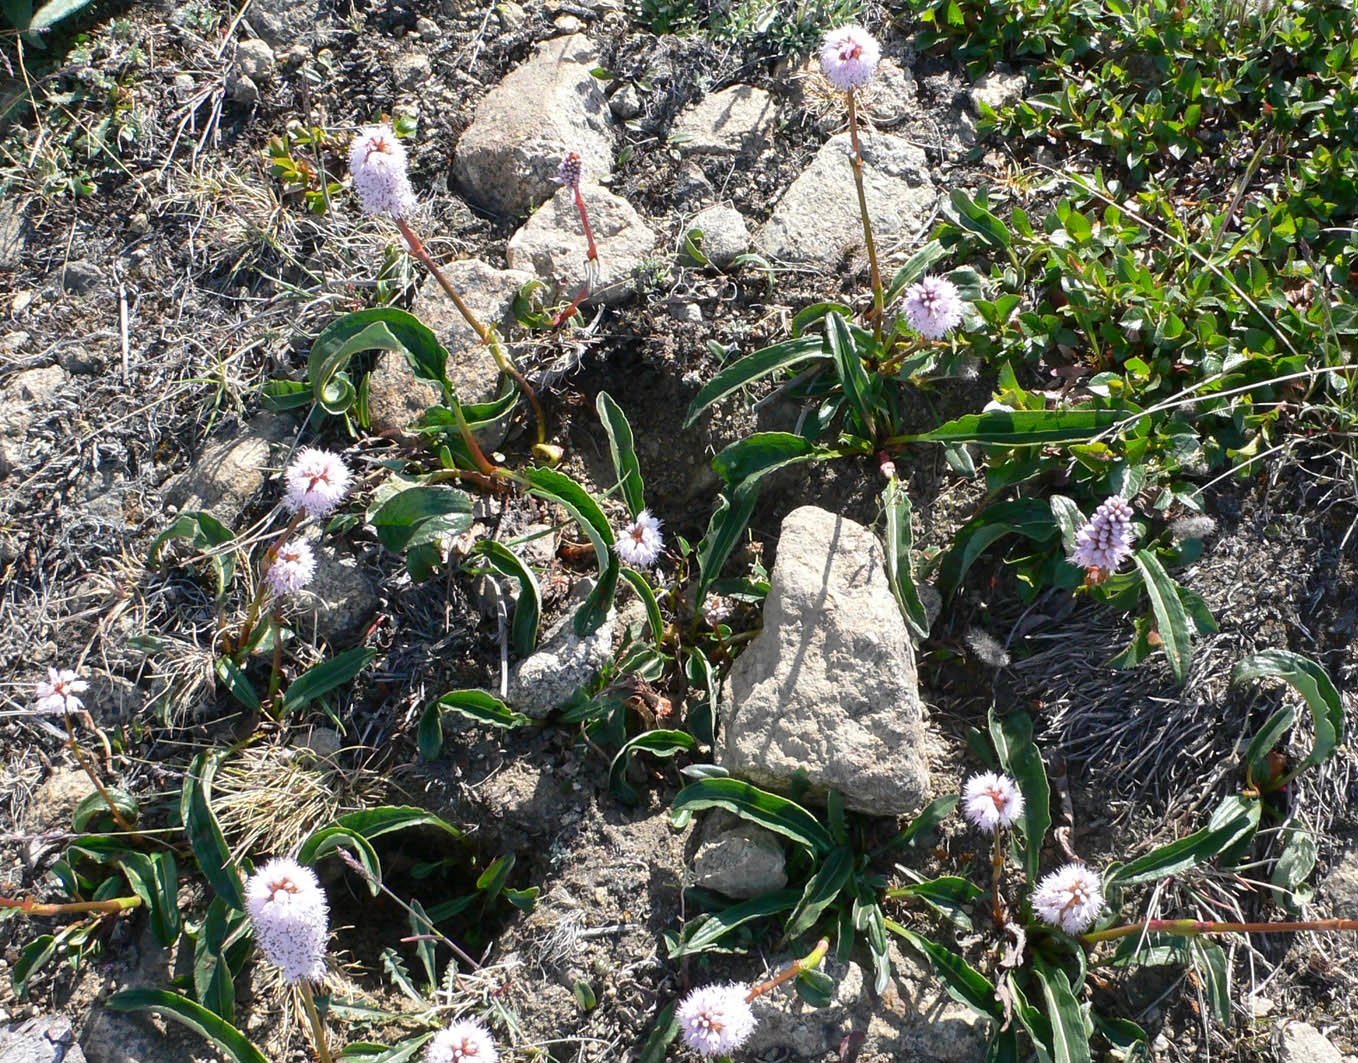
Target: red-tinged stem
(317, 1029)
(571, 310)
(808, 962)
(270, 556)
(108, 907)
(487, 336)
(878, 293)
(1193, 927)
(593, 253)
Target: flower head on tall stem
(317, 481)
(933, 306)
(1069, 898)
(291, 918)
(462, 1042)
(57, 693)
(640, 543)
(849, 57)
(377, 161)
(716, 1019)
(571, 170)
(292, 568)
(1106, 540)
(990, 801)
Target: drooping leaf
(705, 931)
(1312, 682)
(1014, 428)
(1029, 517)
(1267, 739)
(327, 839)
(750, 368)
(750, 459)
(384, 329)
(647, 596)
(660, 743)
(204, 832)
(210, 536)
(585, 511)
(666, 1030)
(223, 1036)
(53, 12)
(94, 808)
(899, 567)
(1070, 1043)
(964, 983)
(480, 706)
(770, 811)
(420, 514)
(853, 377)
(330, 674)
(620, 447)
(1235, 819)
(374, 822)
(1171, 619)
(528, 609)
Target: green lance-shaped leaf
(53, 12)
(528, 609)
(899, 568)
(963, 982)
(93, 808)
(706, 931)
(1070, 1043)
(223, 1036)
(853, 377)
(1029, 517)
(328, 675)
(825, 885)
(204, 833)
(666, 1030)
(208, 535)
(421, 514)
(915, 267)
(585, 511)
(1234, 820)
(729, 521)
(647, 596)
(1012, 736)
(749, 460)
(620, 447)
(327, 840)
(1312, 682)
(770, 811)
(750, 368)
(1015, 428)
(969, 215)
(1171, 618)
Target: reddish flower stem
(1192, 927)
(108, 907)
(806, 963)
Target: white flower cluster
(292, 567)
(291, 918)
(640, 543)
(462, 1042)
(716, 1019)
(990, 801)
(317, 482)
(933, 306)
(57, 693)
(1070, 898)
(377, 161)
(849, 57)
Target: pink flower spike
(317, 482)
(1106, 540)
(57, 693)
(716, 1019)
(990, 801)
(849, 57)
(291, 918)
(377, 161)
(933, 306)
(571, 170)
(462, 1042)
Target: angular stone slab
(827, 693)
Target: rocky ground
(142, 317)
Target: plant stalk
(808, 962)
(487, 336)
(270, 556)
(109, 907)
(1194, 927)
(878, 293)
(317, 1029)
(118, 817)
(997, 876)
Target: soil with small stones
(185, 276)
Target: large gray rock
(995, 90)
(44, 1039)
(285, 23)
(22, 402)
(540, 684)
(396, 396)
(552, 244)
(816, 221)
(827, 693)
(1303, 1043)
(230, 471)
(741, 861)
(726, 122)
(341, 597)
(542, 110)
(913, 1020)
